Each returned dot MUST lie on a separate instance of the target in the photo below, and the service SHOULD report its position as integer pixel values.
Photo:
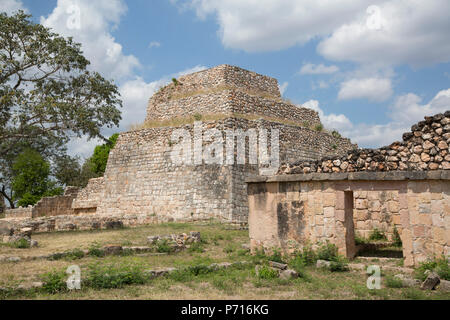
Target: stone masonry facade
(404, 186)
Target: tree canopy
(47, 94)
(31, 179)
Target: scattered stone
(323, 264)
(430, 282)
(288, 274)
(13, 259)
(33, 244)
(444, 285)
(277, 265)
(112, 250)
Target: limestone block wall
(47, 206)
(425, 148)
(19, 213)
(376, 210)
(89, 197)
(289, 211)
(142, 179)
(220, 77)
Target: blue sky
(371, 68)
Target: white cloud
(267, 25)
(311, 68)
(90, 23)
(406, 111)
(11, 6)
(399, 32)
(394, 32)
(320, 85)
(374, 89)
(283, 87)
(330, 121)
(154, 44)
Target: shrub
(54, 282)
(107, 277)
(265, 272)
(440, 266)
(376, 235)
(95, 251)
(276, 256)
(163, 246)
(307, 256)
(175, 82)
(21, 244)
(339, 264)
(392, 282)
(327, 251)
(336, 134)
(198, 116)
(74, 254)
(298, 264)
(319, 127)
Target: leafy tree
(101, 154)
(31, 179)
(69, 172)
(47, 94)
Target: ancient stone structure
(141, 177)
(47, 206)
(405, 185)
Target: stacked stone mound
(426, 147)
(141, 178)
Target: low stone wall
(19, 213)
(83, 222)
(47, 206)
(288, 211)
(426, 147)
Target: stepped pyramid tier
(145, 177)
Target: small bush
(307, 256)
(336, 134)
(327, 251)
(377, 235)
(95, 251)
(21, 244)
(276, 256)
(267, 273)
(74, 254)
(319, 127)
(175, 82)
(339, 264)
(298, 264)
(392, 282)
(107, 277)
(198, 117)
(440, 266)
(163, 246)
(54, 282)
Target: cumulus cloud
(267, 25)
(310, 68)
(374, 89)
(393, 32)
(11, 6)
(406, 111)
(91, 24)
